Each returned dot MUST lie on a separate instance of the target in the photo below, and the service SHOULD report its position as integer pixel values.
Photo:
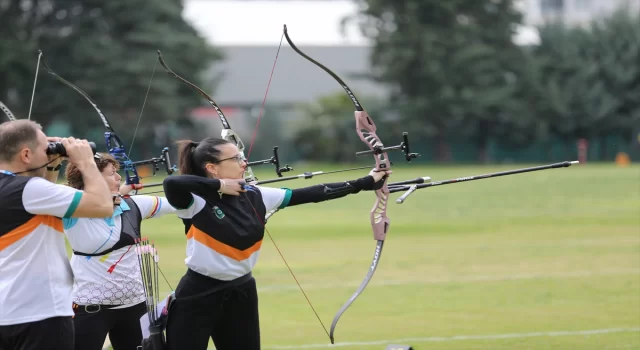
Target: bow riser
(366, 129)
(379, 220)
(118, 151)
(231, 136)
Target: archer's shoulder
(40, 183)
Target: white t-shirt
(114, 278)
(35, 276)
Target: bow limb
(114, 145)
(7, 111)
(227, 133)
(366, 129)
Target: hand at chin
(117, 200)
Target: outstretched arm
(281, 198)
(329, 191)
(153, 206)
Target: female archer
(224, 223)
(108, 294)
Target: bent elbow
(168, 182)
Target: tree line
(452, 66)
(108, 49)
(456, 74)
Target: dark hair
(193, 156)
(16, 134)
(74, 176)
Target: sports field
(543, 260)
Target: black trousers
(229, 316)
(122, 325)
(54, 333)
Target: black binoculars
(58, 148)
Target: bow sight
(117, 150)
(275, 160)
(403, 146)
(163, 159)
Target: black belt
(222, 286)
(91, 308)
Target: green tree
(589, 79)
(453, 65)
(108, 49)
(617, 54)
(21, 24)
(326, 130)
(564, 76)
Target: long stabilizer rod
(412, 188)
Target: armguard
(329, 191)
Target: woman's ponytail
(186, 164)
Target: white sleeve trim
(42, 197)
(196, 206)
(273, 197)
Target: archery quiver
(156, 324)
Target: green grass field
(543, 260)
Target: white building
(571, 12)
